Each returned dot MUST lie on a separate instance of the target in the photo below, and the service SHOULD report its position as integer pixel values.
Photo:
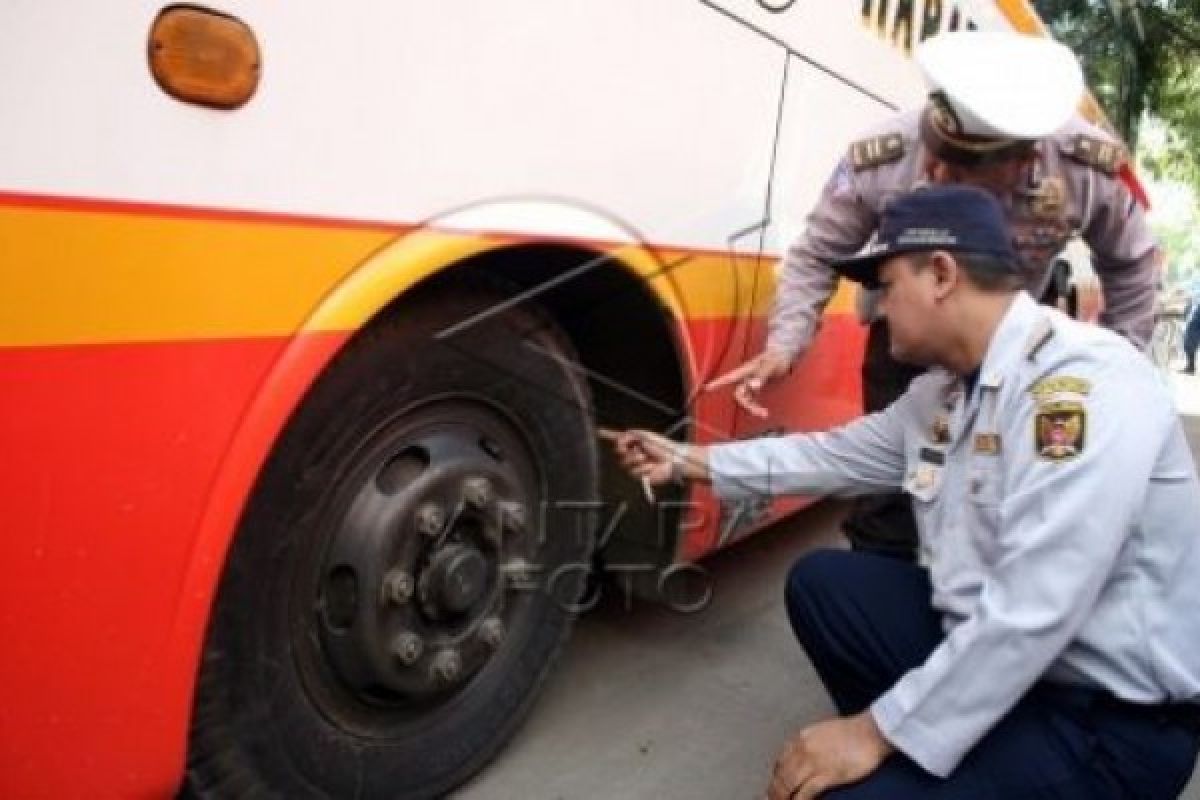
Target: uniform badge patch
(987, 444)
(876, 151)
(940, 431)
(1049, 199)
(840, 184)
(1107, 157)
(1060, 432)
(1060, 424)
(925, 477)
(1061, 384)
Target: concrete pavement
(650, 703)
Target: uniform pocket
(984, 499)
(924, 481)
(983, 484)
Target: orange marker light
(204, 57)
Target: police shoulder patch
(1060, 421)
(1099, 154)
(1060, 431)
(875, 151)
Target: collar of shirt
(1005, 349)
(970, 380)
(1009, 340)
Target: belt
(1184, 715)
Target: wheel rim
(426, 544)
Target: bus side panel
(134, 339)
(821, 115)
(660, 115)
(98, 518)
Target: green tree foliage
(1142, 59)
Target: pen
(647, 489)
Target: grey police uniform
(1057, 505)
(1072, 187)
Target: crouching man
(1049, 645)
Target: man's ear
(946, 273)
(935, 169)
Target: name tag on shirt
(933, 456)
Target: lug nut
(398, 586)
(446, 666)
(407, 647)
(491, 632)
(518, 574)
(512, 516)
(430, 519)
(477, 492)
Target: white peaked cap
(1002, 84)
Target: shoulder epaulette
(1042, 332)
(877, 150)
(1106, 156)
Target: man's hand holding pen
(657, 460)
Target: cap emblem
(942, 115)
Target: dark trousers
(865, 620)
(883, 523)
(1191, 339)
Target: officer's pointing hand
(1090, 298)
(751, 378)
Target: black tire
(313, 682)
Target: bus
(310, 314)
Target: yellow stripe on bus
(75, 277)
(87, 276)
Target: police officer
(1001, 115)
(1052, 647)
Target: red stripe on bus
(189, 212)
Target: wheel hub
(456, 579)
(412, 602)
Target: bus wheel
(406, 571)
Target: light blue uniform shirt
(1059, 514)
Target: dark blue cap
(958, 219)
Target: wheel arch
(634, 350)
